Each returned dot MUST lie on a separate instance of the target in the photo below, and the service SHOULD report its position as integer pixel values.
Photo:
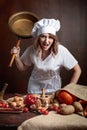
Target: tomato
(59, 111)
(1, 105)
(65, 97)
(45, 112)
(53, 108)
(42, 111)
(30, 99)
(25, 109)
(7, 106)
(4, 104)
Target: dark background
(73, 35)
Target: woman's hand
(20, 65)
(16, 51)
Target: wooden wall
(73, 35)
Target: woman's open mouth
(45, 45)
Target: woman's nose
(46, 39)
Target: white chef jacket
(46, 73)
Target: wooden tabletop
(14, 119)
(8, 120)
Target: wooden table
(13, 120)
(10, 121)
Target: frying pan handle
(13, 56)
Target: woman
(47, 57)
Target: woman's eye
(50, 37)
(42, 36)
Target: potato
(63, 105)
(78, 107)
(67, 109)
(56, 104)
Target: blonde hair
(53, 49)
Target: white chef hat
(46, 26)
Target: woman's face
(46, 41)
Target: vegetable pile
(61, 102)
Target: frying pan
(21, 24)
